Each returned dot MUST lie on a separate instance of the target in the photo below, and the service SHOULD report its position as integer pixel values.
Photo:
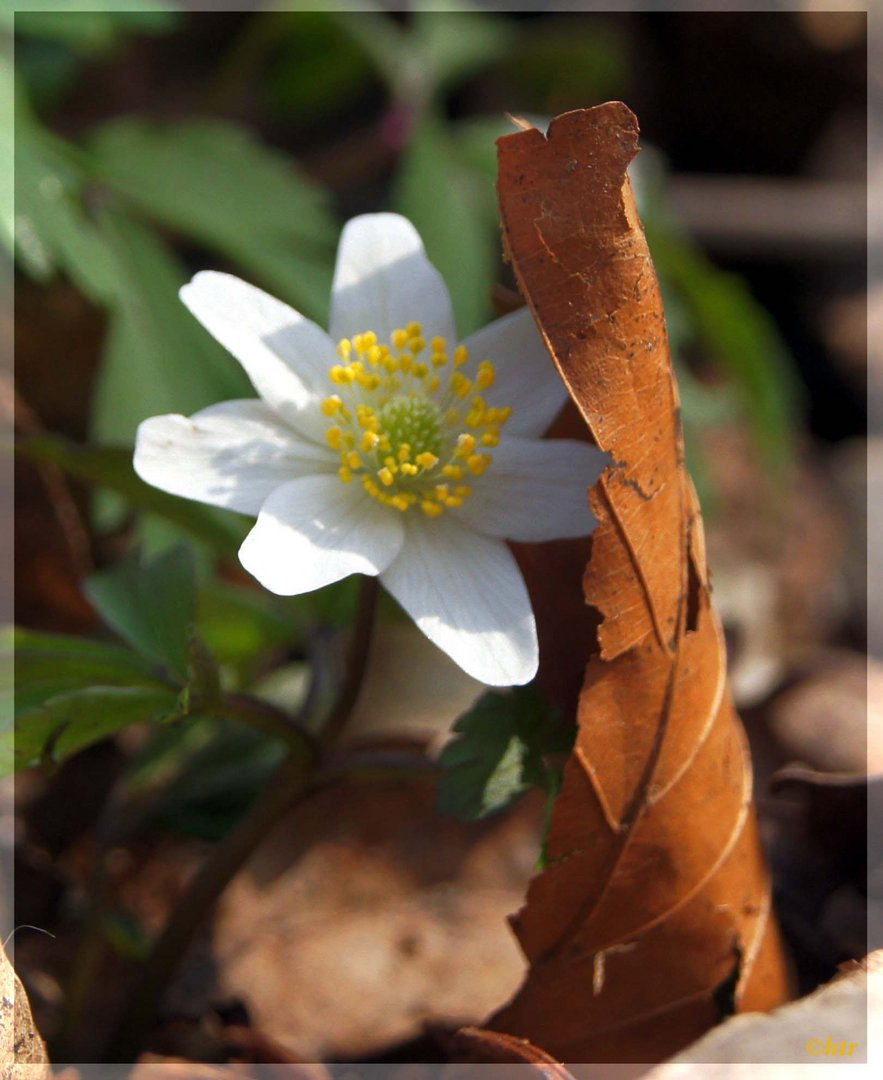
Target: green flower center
(406, 433)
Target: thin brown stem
(288, 785)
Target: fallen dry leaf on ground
(22, 1052)
(365, 915)
(653, 916)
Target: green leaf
(157, 359)
(215, 182)
(208, 772)
(151, 606)
(52, 230)
(736, 333)
(242, 625)
(96, 30)
(66, 724)
(452, 207)
(46, 665)
(110, 468)
(504, 745)
(451, 44)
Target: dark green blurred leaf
(735, 332)
(66, 724)
(152, 606)
(499, 751)
(110, 468)
(448, 202)
(450, 44)
(157, 359)
(215, 182)
(96, 30)
(53, 233)
(211, 775)
(242, 625)
(316, 68)
(560, 64)
(437, 50)
(45, 665)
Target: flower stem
(288, 785)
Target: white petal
(466, 594)
(232, 455)
(286, 356)
(536, 489)
(527, 378)
(316, 530)
(383, 280)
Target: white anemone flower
(385, 447)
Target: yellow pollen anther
(460, 384)
(478, 463)
(486, 375)
(397, 423)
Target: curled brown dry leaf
(652, 918)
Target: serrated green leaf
(36, 667)
(66, 724)
(450, 204)
(110, 468)
(500, 750)
(151, 606)
(215, 182)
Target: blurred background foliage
(151, 142)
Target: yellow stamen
(486, 375)
(478, 463)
